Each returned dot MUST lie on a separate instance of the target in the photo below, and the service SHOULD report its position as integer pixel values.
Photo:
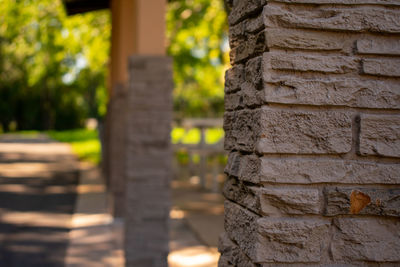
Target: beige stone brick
(251, 97)
(278, 201)
(254, 45)
(370, 239)
(240, 225)
(356, 200)
(232, 166)
(238, 33)
(241, 9)
(310, 63)
(306, 171)
(291, 240)
(351, 92)
(231, 255)
(238, 192)
(303, 39)
(241, 129)
(380, 135)
(233, 101)
(379, 46)
(234, 78)
(381, 67)
(244, 167)
(304, 132)
(372, 19)
(253, 71)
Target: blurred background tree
(197, 33)
(52, 67)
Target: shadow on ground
(37, 199)
(54, 212)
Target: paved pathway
(38, 181)
(196, 222)
(53, 212)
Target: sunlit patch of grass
(214, 135)
(192, 136)
(85, 143)
(89, 150)
(76, 135)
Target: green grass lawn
(192, 136)
(85, 143)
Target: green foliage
(52, 67)
(198, 42)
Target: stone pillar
(312, 125)
(138, 28)
(117, 115)
(148, 163)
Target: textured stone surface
(328, 171)
(373, 19)
(380, 135)
(238, 192)
(240, 225)
(340, 200)
(234, 78)
(307, 40)
(249, 168)
(277, 201)
(251, 97)
(147, 161)
(310, 63)
(312, 127)
(253, 72)
(379, 46)
(240, 9)
(231, 255)
(382, 67)
(291, 240)
(304, 132)
(232, 166)
(285, 131)
(239, 32)
(248, 96)
(241, 129)
(254, 45)
(244, 167)
(352, 92)
(372, 239)
(233, 101)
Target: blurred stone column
(117, 113)
(148, 162)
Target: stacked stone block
(312, 127)
(148, 159)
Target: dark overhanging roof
(81, 6)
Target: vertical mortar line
(356, 134)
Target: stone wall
(312, 128)
(148, 156)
